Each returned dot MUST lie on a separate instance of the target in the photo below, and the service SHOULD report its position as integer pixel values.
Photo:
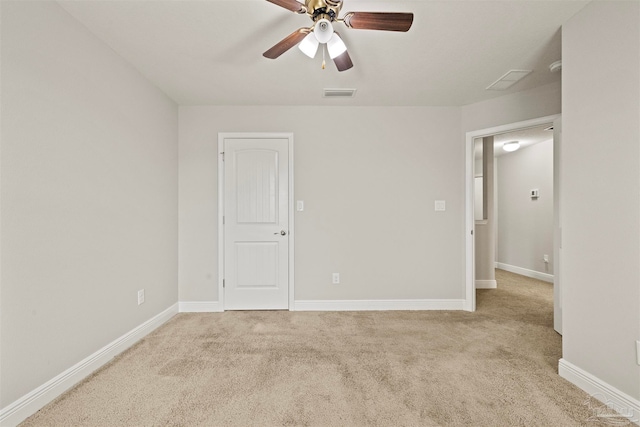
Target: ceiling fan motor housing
(315, 8)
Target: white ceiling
(526, 137)
(209, 52)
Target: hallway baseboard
(525, 272)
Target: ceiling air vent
(510, 78)
(339, 93)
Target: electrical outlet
(140, 296)
(336, 278)
(545, 258)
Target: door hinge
(472, 232)
(223, 283)
(222, 154)
(223, 220)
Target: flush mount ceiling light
(511, 146)
(325, 14)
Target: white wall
(89, 196)
(369, 177)
(516, 107)
(525, 225)
(601, 192)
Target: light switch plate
(441, 206)
(300, 205)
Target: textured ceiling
(209, 52)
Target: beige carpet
(495, 367)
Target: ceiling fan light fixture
(511, 146)
(309, 45)
(324, 13)
(336, 46)
(323, 30)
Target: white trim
(379, 305)
(292, 215)
(32, 402)
(621, 402)
(470, 265)
(221, 137)
(486, 284)
(199, 307)
(525, 272)
(557, 225)
(470, 295)
(291, 236)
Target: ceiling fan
(324, 14)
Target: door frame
(291, 234)
(470, 264)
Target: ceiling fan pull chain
(323, 63)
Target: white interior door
(557, 229)
(256, 223)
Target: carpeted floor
(494, 367)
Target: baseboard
(525, 272)
(486, 284)
(200, 307)
(32, 402)
(379, 305)
(613, 398)
(338, 305)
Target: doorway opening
(528, 196)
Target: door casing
(221, 249)
(470, 288)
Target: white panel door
(256, 223)
(557, 219)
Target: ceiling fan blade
(386, 21)
(343, 61)
(287, 43)
(292, 5)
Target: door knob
(282, 233)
